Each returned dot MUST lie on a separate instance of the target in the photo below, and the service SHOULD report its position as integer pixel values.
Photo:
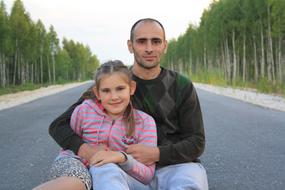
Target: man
(167, 96)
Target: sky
(104, 25)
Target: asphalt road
(245, 148)
(245, 143)
(27, 150)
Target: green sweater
(172, 101)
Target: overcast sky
(104, 25)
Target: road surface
(245, 143)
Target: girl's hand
(86, 151)
(104, 157)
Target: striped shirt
(95, 127)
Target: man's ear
(166, 46)
(130, 46)
(133, 87)
(95, 91)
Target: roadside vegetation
(238, 43)
(28, 86)
(32, 56)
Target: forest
(238, 43)
(33, 54)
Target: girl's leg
(67, 173)
(62, 183)
(112, 177)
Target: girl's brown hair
(114, 66)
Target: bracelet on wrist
(125, 155)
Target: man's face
(148, 45)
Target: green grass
(263, 85)
(17, 88)
(28, 86)
(212, 77)
(269, 87)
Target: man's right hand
(86, 151)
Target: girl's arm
(77, 125)
(130, 165)
(148, 137)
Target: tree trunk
(279, 60)
(41, 70)
(23, 71)
(262, 67)
(26, 72)
(180, 66)
(244, 59)
(19, 81)
(205, 57)
(227, 59)
(36, 72)
(190, 61)
(255, 61)
(234, 57)
(53, 68)
(32, 73)
(49, 70)
(15, 62)
(270, 67)
(223, 62)
(2, 71)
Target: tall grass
(215, 78)
(16, 88)
(28, 86)
(210, 77)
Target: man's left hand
(144, 154)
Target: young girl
(108, 121)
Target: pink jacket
(95, 127)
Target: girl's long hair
(117, 66)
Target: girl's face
(114, 93)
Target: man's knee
(185, 176)
(179, 182)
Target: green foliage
(16, 88)
(214, 78)
(265, 86)
(28, 86)
(31, 54)
(209, 77)
(238, 43)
